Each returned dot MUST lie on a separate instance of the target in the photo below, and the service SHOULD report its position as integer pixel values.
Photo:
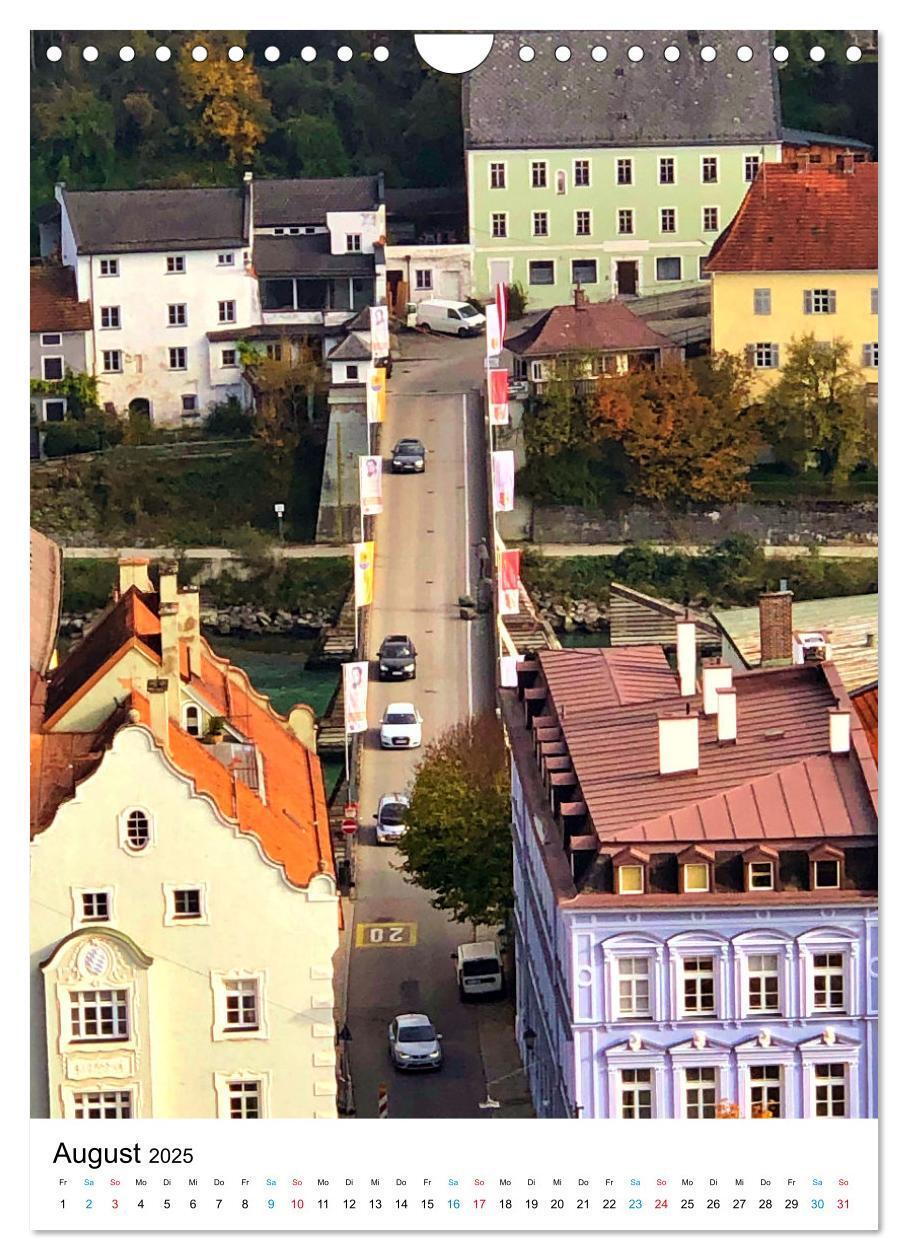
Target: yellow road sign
(377, 934)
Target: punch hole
(707, 53)
(345, 53)
(599, 53)
(562, 53)
(381, 53)
(199, 53)
(54, 53)
(853, 53)
(527, 53)
(818, 53)
(308, 53)
(272, 53)
(90, 53)
(127, 53)
(635, 53)
(672, 53)
(235, 53)
(162, 53)
(780, 53)
(745, 53)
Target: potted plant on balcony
(214, 731)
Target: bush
(87, 584)
(76, 437)
(517, 300)
(229, 419)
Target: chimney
(170, 641)
(134, 572)
(714, 678)
(839, 730)
(249, 210)
(727, 715)
(157, 704)
(167, 582)
(580, 299)
(845, 163)
(775, 627)
(679, 744)
(802, 159)
(686, 640)
(189, 627)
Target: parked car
(397, 657)
(458, 318)
(479, 970)
(389, 819)
(409, 455)
(401, 727)
(413, 1043)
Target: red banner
(498, 395)
(508, 583)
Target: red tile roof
(607, 713)
(866, 704)
(803, 220)
(55, 306)
(599, 326)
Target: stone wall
(766, 523)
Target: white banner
(356, 687)
(503, 480)
(370, 495)
(493, 332)
(378, 324)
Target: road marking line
(376, 935)
(466, 522)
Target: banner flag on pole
(507, 670)
(497, 382)
(493, 332)
(370, 495)
(375, 395)
(356, 686)
(501, 301)
(378, 327)
(503, 480)
(363, 555)
(508, 583)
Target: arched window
(138, 830)
(560, 183)
(192, 719)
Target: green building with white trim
(610, 170)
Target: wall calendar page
(454, 629)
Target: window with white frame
(192, 719)
(751, 167)
(709, 170)
(229, 358)
(624, 171)
(95, 905)
(760, 876)
(112, 360)
(99, 1015)
(765, 1091)
(176, 264)
(762, 301)
(830, 1090)
(137, 831)
(176, 315)
(765, 354)
(244, 1099)
(499, 225)
(636, 1094)
(540, 222)
(700, 1088)
(668, 219)
(696, 876)
(241, 1005)
(828, 981)
(110, 317)
(227, 312)
(581, 173)
(763, 984)
(827, 873)
(630, 878)
(872, 354)
(108, 1104)
(625, 222)
(497, 175)
(54, 409)
(354, 243)
(583, 223)
(187, 903)
(51, 339)
(584, 271)
(189, 404)
(541, 271)
(819, 301)
(668, 268)
(225, 260)
(52, 368)
(710, 218)
(177, 358)
(699, 976)
(423, 278)
(634, 988)
(666, 170)
(110, 267)
(539, 174)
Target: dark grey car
(397, 657)
(409, 455)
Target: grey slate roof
(353, 348)
(545, 103)
(296, 202)
(151, 219)
(306, 256)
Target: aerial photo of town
(454, 606)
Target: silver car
(413, 1043)
(389, 820)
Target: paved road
(423, 544)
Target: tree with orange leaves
(224, 97)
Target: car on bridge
(401, 726)
(409, 455)
(390, 824)
(396, 657)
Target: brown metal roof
(590, 326)
(635, 618)
(866, 703)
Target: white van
(479, 970)
(458, 318)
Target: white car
(401, 726)
(459, 318)
(413, 1043)
(389, 820)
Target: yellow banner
(363, 566)
(375, 395)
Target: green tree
(314, 147)
(817, 413)
(458, 840)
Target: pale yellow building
(184, 909)
(800, 258)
